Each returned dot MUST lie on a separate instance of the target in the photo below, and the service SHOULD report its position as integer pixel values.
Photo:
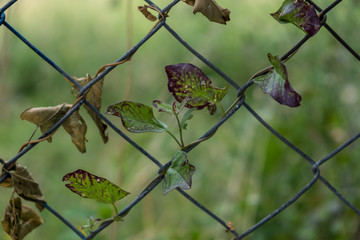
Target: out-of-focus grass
(243, 172)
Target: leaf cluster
(19, 219)
(190, 87)
(192, 90)
(75, 125)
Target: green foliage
(87, 185)
(162, 106)
(179, 174)
(91, 224)
(192, 89)
(187, 116)
(136, 117)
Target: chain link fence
(237, 231)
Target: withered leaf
(213, 11)
(46, 117)
(146, 13)
(25, 186)
(94, 97)
(230, 226)
(7, 181)
(190, 2)
(19, 220)
(76, 127)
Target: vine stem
(180, 129)
(177, 141)
(198, 141)
(117, 218)
(232, 106)
(222, 109)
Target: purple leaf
(299, 13)
(188, 81)
(276, 84)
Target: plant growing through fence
(191, 89)
(88, 185)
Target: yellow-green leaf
(88, 185)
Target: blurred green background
(243, 173)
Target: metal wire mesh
(242, 104)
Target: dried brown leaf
(146, 13)
(76, 127)
(25, 186)
(230, 225)
(7, 181)
(19, 220)
(190, 2)
(94, 97)
(213, 11)
(46, 117)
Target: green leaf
(92, 224)
(299, 13)
(179, 173)
(136, 117)
(182, 105)
(88, 185)
(187, 116)
(188, 81)
(276, 84)
(162, 106)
